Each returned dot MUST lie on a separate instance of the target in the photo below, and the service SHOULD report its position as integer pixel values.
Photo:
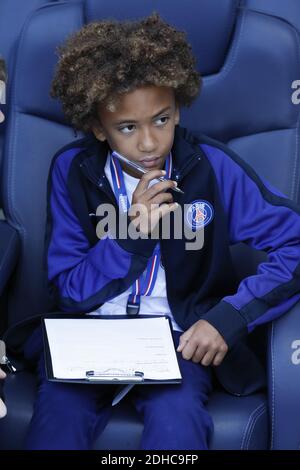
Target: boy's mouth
(150, 162)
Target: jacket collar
(185, 151)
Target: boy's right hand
(149, 205)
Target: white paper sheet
(112, 346)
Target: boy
(124, 84)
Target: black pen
(141, 169)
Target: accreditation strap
(145, 283)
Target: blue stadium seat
(248, 53)
(13, 14)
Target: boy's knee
(64, 399)
(175, 405)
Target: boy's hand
(149, 205)
(203, 343)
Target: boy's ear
(98, 132)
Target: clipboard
(102, 376)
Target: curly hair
(107, 58)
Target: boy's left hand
(203, 343)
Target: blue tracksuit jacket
(84, 272)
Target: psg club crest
(199, 214)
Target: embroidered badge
(199, 214)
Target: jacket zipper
(103, 186)
(180, 174)
(90, 175)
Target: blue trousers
(71, 416)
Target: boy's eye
(131, 127)
(127, 129)
(162, 120)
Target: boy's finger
(2, 374)
(185, 337)
(181, 346)
(189, 350)
(161, 198)
(167, 208)
(182, 341)
(208, 358)
(160, 187)
(163, 210)
(218, 358)
(147, 177)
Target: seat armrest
(284, 380)
(9, 249)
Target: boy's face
(141, 127)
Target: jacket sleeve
(84, 276)
(265, 219)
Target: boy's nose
(147, 142)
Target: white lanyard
(145, 283)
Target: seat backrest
(284, 380)
(248, 59)
(13, 14)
